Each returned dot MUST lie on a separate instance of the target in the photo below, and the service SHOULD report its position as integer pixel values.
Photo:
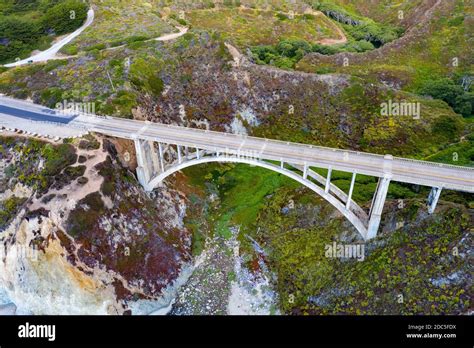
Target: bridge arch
(354, 219)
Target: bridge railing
(433, 164)
(303, 146)
(342, 152)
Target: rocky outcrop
(90, 246)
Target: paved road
(401, 169)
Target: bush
(98, 47)
(65, 16)
(83, 219)
(282, 16)
(377, 34)
(182, 21)
(57, 157)
(284, 55)
(18, 37)
(143, 75)
(327, 50)
(293, 48)
(360, 46)
(446, 127)
(70, 50)
(288, 52)
(8, 209)
(445, 89)
(30, 21)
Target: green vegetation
(65, 16)
(54, 158)
(251, 27)
(359, 27)
(241, 192)
(347, 115)
(439, 50)
(8, 209)
(363, 33)
(447, 90)
(287, 53)
(398, 263)
(381, 11)
(375, 33)
(118, 22)
(89, 142)
(461, 154)
(83, 219)
(30, 24)
(144, 75)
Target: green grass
(461, 154)
(250, 27)
(242, 191)
(117, 22)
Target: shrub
(377, 34)
(19, 37)
(65, 16)
(445, 89)
(282, 16)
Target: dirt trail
(328, 42)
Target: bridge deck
(401, 169)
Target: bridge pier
(147, 160)
(349, 196)
(143, 174)
(160, 152)
(328, 181)
(178, 149)
(376, 209)
(433, 199)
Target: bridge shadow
(46, 115)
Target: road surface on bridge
(15, 113)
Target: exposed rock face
(91, 248)
(43, 282)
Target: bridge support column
(160, 151)
(179, 154)
(377, 207)
(152, 158)
(349, 196)
(328, 181)
(143, 174)
(147, 160)
(305, 171)
(433, 199)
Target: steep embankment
(94, 241)
(432, 47)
